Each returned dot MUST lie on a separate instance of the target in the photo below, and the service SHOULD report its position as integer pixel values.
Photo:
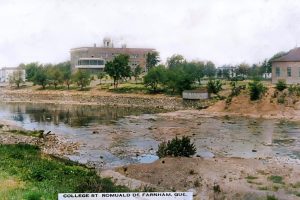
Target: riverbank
(33, 165)
(221, 178)
(97, 97)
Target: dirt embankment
(96, 97)
(267, 107)
(220, 178)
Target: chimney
(95, 45)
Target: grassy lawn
(26, 173)
(130, 88)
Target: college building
(94, 58)
(287, 67)
(7, 72)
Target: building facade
(94, 58)
(287, 67)
(7, 72)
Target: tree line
(176, 75)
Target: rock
(254, 150)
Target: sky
(223, 31)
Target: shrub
(176, 148)
(276, 179)
(281, 85)
(257, 89)
(294, 89)
(271, 197)
(214, 86)
(33, 195)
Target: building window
(277, 71)
(289, 72)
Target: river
(114, 136)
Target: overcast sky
(224, 31)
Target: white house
(6, 72)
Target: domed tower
(107, 42)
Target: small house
(287, 67)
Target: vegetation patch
(276, 179)
(45, 176)
(38, 133)
(176, 148)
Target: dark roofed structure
(287, 67)
(292, 56)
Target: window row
(288, 72)
(90, 62)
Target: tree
(257, 89)
(210, 69)
(55, 76)
(17, 77)
(243, 69)
(152, 59)
(67, 72)
(175, 61)
(180, 79)
(155, 77)
(118, 68)
(82, 78)
(100, 76)
(199, 71)
(40, 77)
(137, 72)
(214, 86)
(30, 70)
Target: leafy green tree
(137, 72)
(65, 75)
(257, 89)
(82, 78)
(155, 77)
(243, 70)
(179, 79)
(55, 75)
(214, 86)
(152, 59)
(100, 76)
(118, 68)
(31, 69)
(199, 71)
(210, 69)
(41, 77)
(175, 61)
(17, 78)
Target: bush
(214, 86)
(257, 89)
(281, 85)
(176, 148)
(294, 89)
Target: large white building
(6, 72)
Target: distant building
(6, 72)
(229, 70)
(94, 58)
(287, 67)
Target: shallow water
(114, 136)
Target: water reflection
(72, 115)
